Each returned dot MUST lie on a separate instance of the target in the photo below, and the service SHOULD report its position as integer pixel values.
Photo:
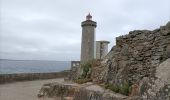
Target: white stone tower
(88, 39)
(101, 49)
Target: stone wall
(135, 58)
(74, 71)
(6, 78)
(137, 55)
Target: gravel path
(23, 90)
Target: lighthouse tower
(88, 39)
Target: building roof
(89, 17)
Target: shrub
(124, 89)
(85, 76)
(86, 67)
(114, 88)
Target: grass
(122, 89)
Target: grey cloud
(51, 29)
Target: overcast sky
(51, 29)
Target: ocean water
(32, 66)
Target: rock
(135, 90)
(134, 98)
(168, 25)
(86, 91)
(157, 88)
(163, 73)
(168, 51)
(135, 56)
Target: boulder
(73, 91)
(157, 88)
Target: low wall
(6, 78)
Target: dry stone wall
(137, 55)
(135, 59)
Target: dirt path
(23, 90)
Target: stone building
(88, 39)
(101, 49)
(75, 65)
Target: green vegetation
(123, 89)
(112, 87)
(86, 68)
(86, 73)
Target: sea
(32, 66)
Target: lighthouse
(88, 39)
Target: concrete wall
(6, 78)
